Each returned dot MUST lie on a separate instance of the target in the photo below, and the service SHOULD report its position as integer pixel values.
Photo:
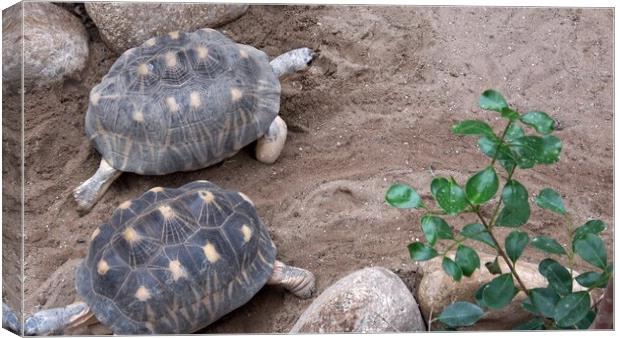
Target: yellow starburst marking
(138, 116)
(157, 189)
(236, 94)
(130, 235)
(211, 253)
(247, 233)
(177, 270)
(172, 104)
(143, 69)
(171, 59)
(207, 196)
(174, 35)
(142, 294)
(243, 54)
(194, 99)
(151, 42)
(125, 205)
(102, 267)
(166, 211)
(202, 52)
(94, 98)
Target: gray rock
(437, 290)
(126, 25)
(55, 44)
(368, 300)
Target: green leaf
(493, 267)
(461, 314)
(435, 228)
(514, 132)
(515, 243)
(450, 197)
(534, 324)
(539, 121)
(482, 186)
(421, 252)
(493, 100)
(592, 279)
(544, 300)
(467, 259)
(591, 249)
(560, 280)
(473, 127)
(478, 295)
(452, 269)
(548, 244)
(529, 307)
(586, 322)
(516, 210)
(590, 227)
(549, 199)
(499, 292)
(489, 146)
(526, 150)
(571, 309)
(550, 150)
(403, 196)
(478, 232)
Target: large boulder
(368, 300)
(437, 290)
(55, 44)
(123, 25)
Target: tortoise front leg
(10, 321)
(56, 320)
(89, 192)
(300, 282)
(269, 147)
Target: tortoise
(182, 102)
(173, 261)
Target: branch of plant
(501, 252)
(501, 141)
(569, 252)
(501, 200)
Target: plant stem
(499, 203)
(501, 252)
(501, 141)
(570, 252)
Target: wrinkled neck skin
(292, 61)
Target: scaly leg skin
(89, 192)
(298, 281)
(293, 61)
(10, 321)
(56, 320)
(269, 147)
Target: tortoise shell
(182, 102)
(175, 260)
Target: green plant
(556, 306)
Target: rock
(437, 290)
(368, 300)
(126, 25)
(55, 44)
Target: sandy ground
(375, 108)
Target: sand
(375, 108)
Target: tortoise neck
(292, 61)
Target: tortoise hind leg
(56, 320)
(89, 192)
(299, 281)
(269, 147)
